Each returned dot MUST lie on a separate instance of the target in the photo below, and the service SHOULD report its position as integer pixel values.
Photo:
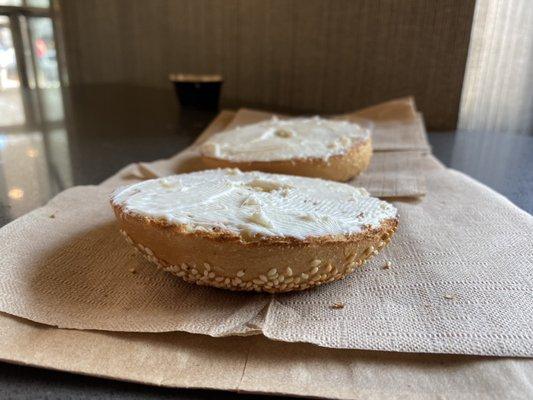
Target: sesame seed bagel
(253, 231)
(314, 147)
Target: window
(28, 60)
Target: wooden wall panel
(311, 55)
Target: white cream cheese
(251, 203)
(287, 139)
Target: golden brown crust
(338, 167)
(271, 264)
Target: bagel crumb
(337, 306)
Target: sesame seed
(263, 278)
(272, 272)
(194, 271)
(237, 281)
(289, 271)
(273, 277)
(240, 274)
(211, 275)
(314, 270)
(315, 263)
(227, 281)
(328, 268)
(207, 267)
(281, 278)
(304, 276)
(351, 257)
(375, 252)
(258, 282)
(219, 279)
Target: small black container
(197, 91)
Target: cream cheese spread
(255, 203)
(277, 139)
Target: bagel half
(313, 147)
(253, 231)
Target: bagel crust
(233, 258)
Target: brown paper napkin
(256, 364)
(394, 174)
(450, 288)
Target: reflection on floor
(34, 155)
(11, 107)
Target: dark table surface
(82, 135)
